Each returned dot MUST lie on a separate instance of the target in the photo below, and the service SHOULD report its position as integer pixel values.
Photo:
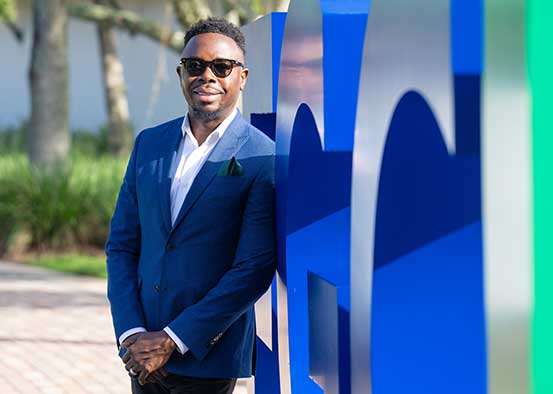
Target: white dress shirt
(190, 158)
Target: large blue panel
(314, 173)
(266, 123)
(427, 322)
(319, 249)
(467, 29)
(318, 240)
(278, 20)
(341, 67)
(467, 105)
(428, 319)
(267, 371)
(267, 366)
(423, 192)
(267, 379)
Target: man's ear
(243, 77)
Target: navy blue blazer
(201, 276)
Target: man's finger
(132, 365)
(163, 372)
(127, 356)
(142, 377)
(155, 376)
(129, 341)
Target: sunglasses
(220, 67)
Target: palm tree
(48, 138)
(119, 137)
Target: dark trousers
(174, 384)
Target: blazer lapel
(171, 140)
(229, 144)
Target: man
(191, 243)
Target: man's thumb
(129, 341)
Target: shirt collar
(215, 134)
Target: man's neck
(201, 129)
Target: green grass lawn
(72, 263)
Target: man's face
(210, 97)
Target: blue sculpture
(377, 124)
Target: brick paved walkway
(56, 335)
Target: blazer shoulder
(259, 142)
(158, 130)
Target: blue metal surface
(423, 192)
(378, 197)
(315, 128)
(467, 32)
(428, 316)
(278, 21)
(428, 319)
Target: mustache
(205, 87)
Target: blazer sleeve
(250, 275)
(122, 251)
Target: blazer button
(156, 288)
(169, 247)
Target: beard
(204, 115)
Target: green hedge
(58, 210)
(83, 141)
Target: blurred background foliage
(56, 218)
(8, 16)
(58, 187)
(55, 209)
(8, 11)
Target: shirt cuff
(181, 347)
(130, 332)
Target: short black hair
(217, 25)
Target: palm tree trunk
(48, 138)
(119, 137)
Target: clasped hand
(147, 353)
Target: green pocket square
(231, 168)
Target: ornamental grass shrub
(58, 209)
(12, 139)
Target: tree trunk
(119, 137)
(48, 138)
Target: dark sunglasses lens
(221, 68)
(194, 67)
